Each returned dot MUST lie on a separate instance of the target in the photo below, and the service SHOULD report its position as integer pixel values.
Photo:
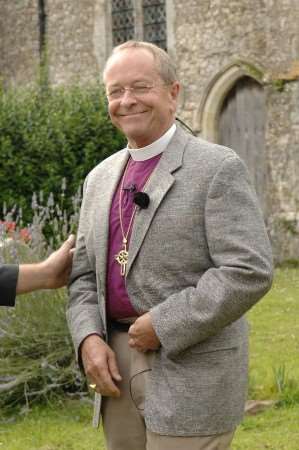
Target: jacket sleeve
(8, 283)
(241, 269)
(83, 314)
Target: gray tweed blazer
(199, 259)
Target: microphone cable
(185, 126)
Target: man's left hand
(142, 335)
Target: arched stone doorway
(233, 113)
(241, 126)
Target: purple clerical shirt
(137, 174)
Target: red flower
(10, 227)
(25, 235)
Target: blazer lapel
(107, 184)
(160, 182)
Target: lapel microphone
(141, 199)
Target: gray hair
(165, 65)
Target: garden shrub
(37, 361)
(51, 135)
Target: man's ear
(174, 95)
(175, 90)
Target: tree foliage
(49, 135)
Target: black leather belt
(119, 326)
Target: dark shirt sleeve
(8, 284)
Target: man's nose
(128, 97)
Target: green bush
(50, 135)
(37, 360)
(36, 353)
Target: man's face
(145, 114)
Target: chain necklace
(123, 255)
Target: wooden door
(242, 127)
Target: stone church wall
(19, 41)
(264, 33)
(71, 55)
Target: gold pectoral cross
(122, 258)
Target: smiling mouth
(132, 114)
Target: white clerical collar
(153, 149)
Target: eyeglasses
(137, 91)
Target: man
(49, 274)
(158, 291)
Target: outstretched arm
(49, 274)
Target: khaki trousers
(123, 421)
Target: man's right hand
(100, 365)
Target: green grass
(274, 350)
(274, 342)
(60, 426)
(275, 429)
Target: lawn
(274, 374)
